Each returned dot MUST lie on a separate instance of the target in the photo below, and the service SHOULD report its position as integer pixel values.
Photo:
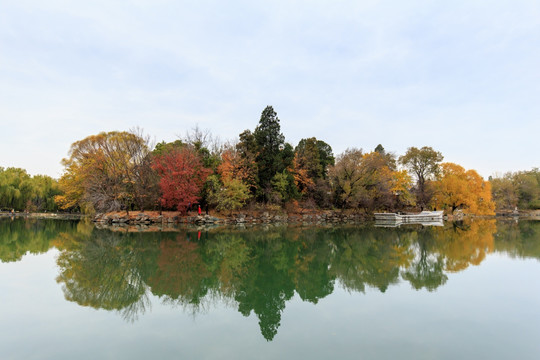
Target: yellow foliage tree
(370, 181)
(108, 172)
(457, 188)
(401, 185)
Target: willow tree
(109, 171)
(16, 188)
(20, 191)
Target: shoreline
(48, 215)
(245, 218)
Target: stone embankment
(142, 218)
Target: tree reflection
(19, 236)
(427, 270)
(107, 270)
(312, 260)
(267, 282)
(366, 257)
(518, 239)
(259, 270)
(180, 275)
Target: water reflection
(259, 270)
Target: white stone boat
(424, 216)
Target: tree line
(123, 170)
(517, 190)
(19, 191)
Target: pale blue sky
(460, 76)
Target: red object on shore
(199, 210)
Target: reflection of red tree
(181, 271)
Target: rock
(458, 215)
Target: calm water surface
(69, 290)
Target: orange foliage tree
(457, 188)
(238, 165)
(302, 180)
(182, 176)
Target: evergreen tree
(380, 149)
(270, 141)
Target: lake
(468, 290)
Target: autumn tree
(302, 179)
(181, 177)
(457, 188)
(369, 181)
(423, 163)
(312, 158)
(346, 176)
(401, 185)
(246, 167)
(107, 172)
(527, 184)
(235, 165)
(504, 192)
(207, 146)
(520, 189)
(378, 181)
(229, 194)
(384, 187)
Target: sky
(462, 77)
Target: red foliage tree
(182, 176)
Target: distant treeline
(124, 171)
(519, 189)
(20, 191)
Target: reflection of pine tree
(265, 291)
